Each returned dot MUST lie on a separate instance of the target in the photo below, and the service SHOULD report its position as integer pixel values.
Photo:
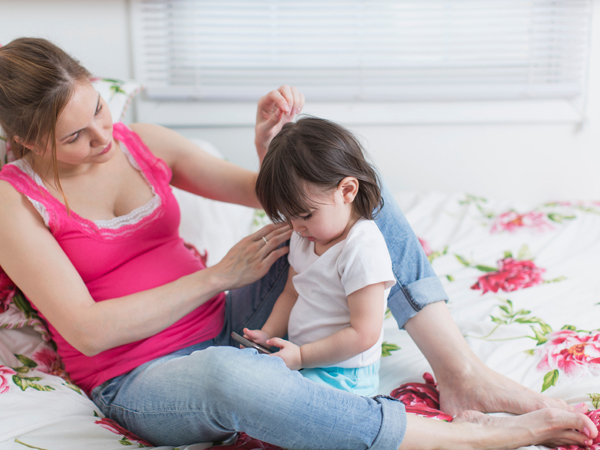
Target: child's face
(332, 217)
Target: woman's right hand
(251, 258)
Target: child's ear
(349, 189)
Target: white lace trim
(131, 218)
(26, 167)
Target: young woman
(88, 231)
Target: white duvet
(524, 289)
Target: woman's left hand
(290, 353)
(274, 110)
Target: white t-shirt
(324, 282)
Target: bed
(522, 280)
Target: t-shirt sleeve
(365, 259)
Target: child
(316, 178)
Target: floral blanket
(524, 290)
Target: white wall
(529, 162)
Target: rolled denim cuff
(407, 301)
(393, 424)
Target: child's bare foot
(549, 426)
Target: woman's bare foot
(549, 426)
(472, 430)
(482, 389)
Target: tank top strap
(157, 172)
(25, 183)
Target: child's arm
(366, 321)
(277, 322)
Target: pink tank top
(116, 259)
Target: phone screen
(250, 344)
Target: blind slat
(411, 49)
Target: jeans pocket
(104, 395)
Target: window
(401, 51)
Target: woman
(88, 231)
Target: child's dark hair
(318, 152)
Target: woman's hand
(251, 258)
(290, 353)
(275, 110)
(258, 336)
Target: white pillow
(210, 225)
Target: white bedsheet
(554, 250)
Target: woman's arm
(195, 170)
(32, 258)
(201, 173)
(366, 320)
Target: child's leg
(416, 282)
(360, 381)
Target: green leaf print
(387, 348)
(23, 304)
(555, 280)
(73, 387)
(113, 80)
(595, 400)
(559, 218)
(22, 369)
(437, 253)
(540, 337)
(28, 446)
(26, 361)
(125, 441)
(550, 379)
(29, 382)
(486, 268)
(463, 261)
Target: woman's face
(83, 131)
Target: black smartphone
(250, 344)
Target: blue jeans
(209, 391)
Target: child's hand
(290, 353)
(258, 336)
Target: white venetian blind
(363, 50)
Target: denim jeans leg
(209, 394)
(250, 306)
(416, 282)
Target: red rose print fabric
(422, 399)
(510, 276)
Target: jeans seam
(256, 311)
(114, 408)
(410, 299)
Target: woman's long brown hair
(37, 80)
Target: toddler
(316, 178)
